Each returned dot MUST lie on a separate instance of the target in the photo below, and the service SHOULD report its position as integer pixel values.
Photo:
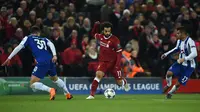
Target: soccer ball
(109, 93)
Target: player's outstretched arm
(193, 50)
(53, 50)
(176, 49)
(118, 50)
(14, 52)
(95, 29)
(119, 56)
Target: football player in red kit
(109, 57)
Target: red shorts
(110, 67)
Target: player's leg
(35, 84)
(173, 70)
(169, 75)
(99, 75)
(60, 83)
(185, 73)
(173, 89)
(117, 74)
(124, 84)
(95, 83)
(37, 74)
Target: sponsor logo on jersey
(104, 44)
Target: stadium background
(146, 29)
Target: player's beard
(107, 36)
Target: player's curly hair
(106, 25)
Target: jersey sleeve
(118, 50)
(24, 41)
(95, 29)
(176, 49)
(22, 44)
(97, 36)
(15, 51)
(117, 45)
(192, 49)
(51, 46)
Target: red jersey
(109, 47)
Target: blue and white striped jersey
(187, 51)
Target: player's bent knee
(169, 74)
(178, 84)
(99, 74)
(34, 79)
(31, 85)
(53, 78)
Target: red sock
(94, 86)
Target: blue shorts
(42, 69)
(182, 72)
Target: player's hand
(163, 56)
(6, 63)
(181, 60)
(54, 59)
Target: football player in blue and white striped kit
(185, 65)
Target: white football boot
(90, 97)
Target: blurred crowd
(146, 29)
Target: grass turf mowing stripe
(135, 103)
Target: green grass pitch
(121, 103)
